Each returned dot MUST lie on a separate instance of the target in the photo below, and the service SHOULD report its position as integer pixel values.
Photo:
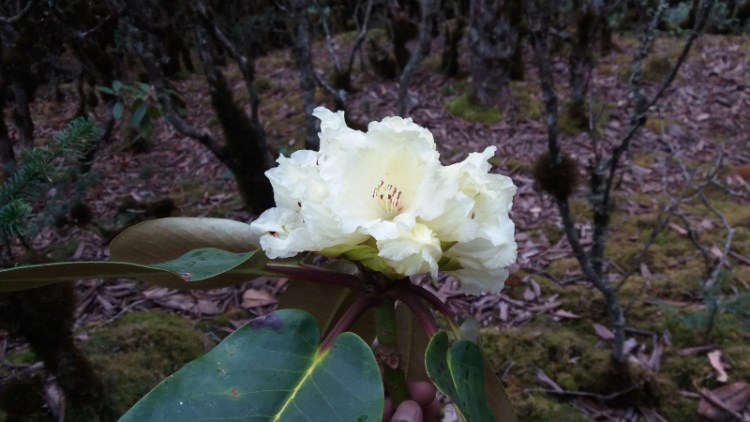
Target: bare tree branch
(246, 65)
(303, 57)
(165, 100)
(20, 15)
(429, 11)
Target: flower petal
(282, 234)
(478, 281)
(416, 251)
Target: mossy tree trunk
(492, 42)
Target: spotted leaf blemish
(272, 321)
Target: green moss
(22, 357)
(566, 352)
(542, 408)
(561, 267)
(464, 107)
(216, 326)
(655, 68)
(263, 84)
(658, 126)
(511, 164)
(573, 120)
(524, 100)
(644, 160)
(138, 351)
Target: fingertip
(408, 411)
(422, 392)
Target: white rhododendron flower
(387, 191)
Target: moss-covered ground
(672, 303)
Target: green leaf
(204, 268)
(138, 114)
(327, 304)
(117, 110)
(117, 85)
(461, 372)
(498, 399)
(412, 343)
(164, 239)
(272, 370)
(105, 90)
(145, 128)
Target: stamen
(390, 196)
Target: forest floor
(546, 332)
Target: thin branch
(429, 12)
(329, 39)
(246, 65)
(360, 37)
(165, 100)
(602, 398)
(20, 15)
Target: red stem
(430, 298)
(423, 314)
(315, 274)
(357, 309)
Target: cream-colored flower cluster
(383, 198)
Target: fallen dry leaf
(562, 313)
(603, 332)
(733, 397)
(717, 362)
(253, 298)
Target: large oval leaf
(204, 268)
(460, 371)
(272, 370)
(412, 343)
(165, 239)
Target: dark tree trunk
(22, 113)
(303, 56)
(7, 155)
(428, 13)
(492, 40)
(580, 61)
(452, 37)
(517, 68)
(246, 148)
(44, 317)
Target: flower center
(389, 197)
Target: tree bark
(580, 60)
(429, 11)
(492, 41)
(303, 56)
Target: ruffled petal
(414, 252)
